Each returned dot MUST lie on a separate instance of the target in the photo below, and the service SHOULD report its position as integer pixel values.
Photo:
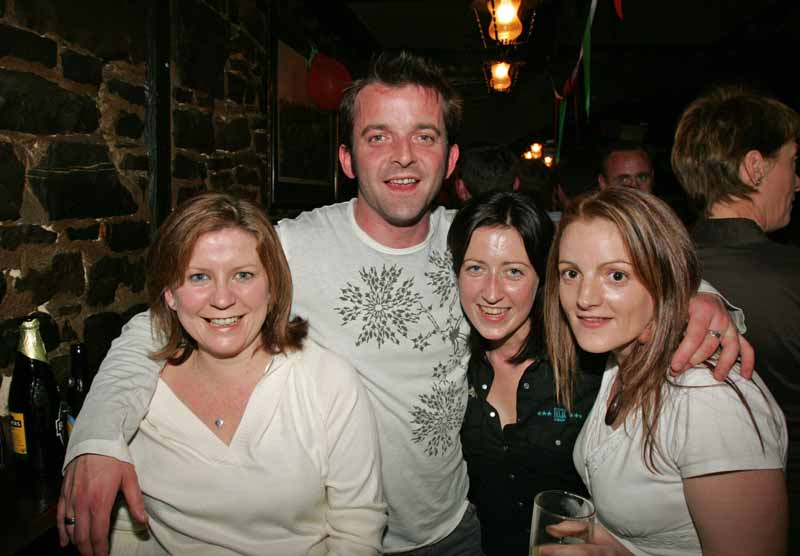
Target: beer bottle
(2, 447)
(78, 382)
(37, 429)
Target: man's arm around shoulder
(119, 396)
(116, 404)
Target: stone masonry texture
(75, 174)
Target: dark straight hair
(518, 212)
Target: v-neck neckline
(208, 431)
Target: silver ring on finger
(716, 333)
(69, 521)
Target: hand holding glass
(560, 517)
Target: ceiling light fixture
(543, 152)
(506, 25)
(501, 76)
(506, 35)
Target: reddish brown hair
(169, 257)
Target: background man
(483, 168)
(626, 164)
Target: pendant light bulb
(506, 25)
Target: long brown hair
(665, 262)
(168, 259)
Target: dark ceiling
(645, 68)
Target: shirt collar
(728, 231)
(481, 374)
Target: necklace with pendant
(219, 422)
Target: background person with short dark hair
(626, 164)
(484, 168)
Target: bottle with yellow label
(37, 428)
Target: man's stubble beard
(424, 212)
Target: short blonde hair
(715, 133)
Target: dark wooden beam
(158, 112)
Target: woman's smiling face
(497, 283)
(224, 297)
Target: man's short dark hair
(485, 168)
(621, 146)
(398, 71)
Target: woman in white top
(254, 443)
(676, 466)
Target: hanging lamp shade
(501, 76)
(506, 25)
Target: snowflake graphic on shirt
(383, 304)
(388, 307)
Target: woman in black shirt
(517, 438)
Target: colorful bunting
(585, 56)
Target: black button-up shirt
(509, 466)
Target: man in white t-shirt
(373, 277)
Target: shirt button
(526, 386)
(492, 414)
(506, 447)
(484, 386)
(512, 476)
(558, 443)
(521, 504)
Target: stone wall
(221, 113)
(74, 167)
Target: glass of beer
(560, 517)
